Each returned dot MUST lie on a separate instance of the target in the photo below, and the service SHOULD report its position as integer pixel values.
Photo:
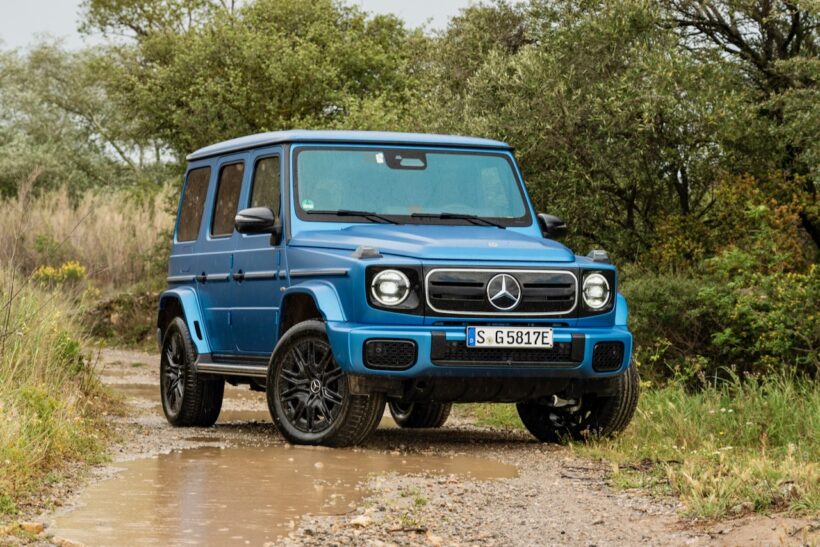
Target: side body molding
(189, 303)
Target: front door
(216, 254)
(258, 268)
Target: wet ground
(240, 483)
(238, 495)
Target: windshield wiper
(348, 213)
(474, 219)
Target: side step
(207, 364)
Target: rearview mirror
(256, 220)
(551, 226)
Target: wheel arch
(312, 300)
(183, 302)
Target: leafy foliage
(271, 64)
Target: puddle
(238, 496)
(147, 395)
(150, 392)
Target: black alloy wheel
(173, 373)
(309, 395)
(312, 389)
(188, 398)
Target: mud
(239, 495)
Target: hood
(428, 242)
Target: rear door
(258, 261)
(216, 251)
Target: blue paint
(241, 316)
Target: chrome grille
(463, 291)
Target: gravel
(556, 498)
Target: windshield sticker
(379, 157)
(307, 204)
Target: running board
(231, 369)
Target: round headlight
(390, 287)
(596, 291)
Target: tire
(187, 398)
(598, 416)
(420, 415)
(309, 396)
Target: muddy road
(239, 483)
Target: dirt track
(459, 485)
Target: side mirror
(552, 226)
(256, 220)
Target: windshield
(407, 185)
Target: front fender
(621, 310)
(324, 294)
(187, 300)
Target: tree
(776, 44)
(56, 116)
(271, 64)
(616, 127)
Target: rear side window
(265, 191)
(227, 199)
(193, 203)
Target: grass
(725, 450)
(50, 398)
(116, 236)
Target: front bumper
(348, 342)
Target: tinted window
(227, 199)
(265, 191)
(193, 203)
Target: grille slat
(464, 291)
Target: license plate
(509, 337)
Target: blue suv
(343, 271)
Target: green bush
(752, 323)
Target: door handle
(238, 276)
(201, 278)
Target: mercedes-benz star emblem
(504, 292)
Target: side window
(227, 199)
(265, 189)
(193, 203)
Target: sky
(22, 21)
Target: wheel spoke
(332, 396)
(299, 409)
(325, 363)
(293, 392)
(325, 410)
(294, 377)
(332, 376)
(300, 362)
(311, 411)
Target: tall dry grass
(119, 238)
(50, 398)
